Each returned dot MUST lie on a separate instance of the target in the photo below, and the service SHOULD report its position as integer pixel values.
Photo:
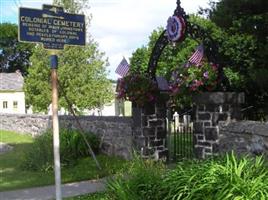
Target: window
(5, 104)
(15, 105)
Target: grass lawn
(13, 177)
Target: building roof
(11, 81)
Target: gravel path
(48, 192)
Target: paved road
(48, 192)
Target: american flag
(197, 55)
(122, 68)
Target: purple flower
(205, 74)
(187, 65)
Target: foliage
(224, 178)
(241, 15)
(72, 147)
(139, 60)
(13, 177)
(138, 88)
(40, 155)
(142, 181)
(81, 75)
(14, 55)
(72, 6)
(245, 48)
(95, 196)
(193, 79)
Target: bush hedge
(141, 181)
(72, 146)
(222, 178)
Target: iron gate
(180, 137)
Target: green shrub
(228, 178)
(222, 178)
(94, 196)
(141, 181)
(72, 146)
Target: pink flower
(151, 97)
(198, 83)
(214, 67)
(193, 88)
(175, 90)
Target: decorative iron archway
(151, 127)
(179, 134)
(191, 30)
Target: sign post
(55, 122)
(53, 28)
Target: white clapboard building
(12, 98)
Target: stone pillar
(149, 131)
(210, 110)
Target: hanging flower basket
(193, 79)
(137, 88)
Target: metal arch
(192, 30)
(159, 46)
(162, 42)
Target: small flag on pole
(197, 56)
(122, 68)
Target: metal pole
(55, 122)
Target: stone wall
(244, 137)
(30, 124)
(149, 133)
(214, 128)
(115, 132)
(212, 109)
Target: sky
(118, 26)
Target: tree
(72, 6)
(81, 74)
(245, 23)
(243, 16)
(14, 55)
(139, 60)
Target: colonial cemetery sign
(51, 26)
